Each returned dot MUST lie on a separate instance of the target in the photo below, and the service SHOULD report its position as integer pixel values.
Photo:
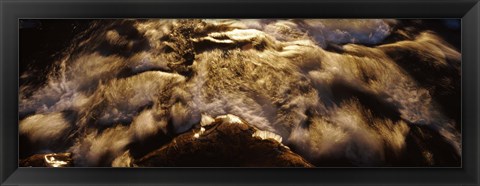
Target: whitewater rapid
(331, 89)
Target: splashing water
(333, 90)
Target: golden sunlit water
(362, 92)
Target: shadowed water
(337, 92)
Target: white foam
(283, 87)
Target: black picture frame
(12, 10)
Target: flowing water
(338, 92)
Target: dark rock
(48, 160)
(222, 144)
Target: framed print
(262, 93)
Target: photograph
(305, 93)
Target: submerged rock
(48, 160)
(337, 92)
(227, 142)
